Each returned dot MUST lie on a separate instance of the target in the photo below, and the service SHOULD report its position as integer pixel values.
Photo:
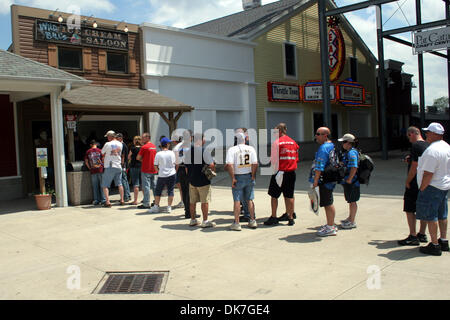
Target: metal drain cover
(133, 282)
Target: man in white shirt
(242, 164)
(165, 164)
(112, 161)
(433, 178)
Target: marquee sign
(51, 31)
(336, 52)
(350, 93)
(431, 40)
(283, 92)
(312, 92)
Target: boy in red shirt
(93, 160)
(284, 158)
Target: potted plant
(44, 200)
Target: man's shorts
(199, 194)
(165, 181)
(287, 187)
(351, 192)
(410, 198)
(110, 174)
(431, 204)
(326, 196)
(243, 190)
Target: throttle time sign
(336, 53)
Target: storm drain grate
(137, 283)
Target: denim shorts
(431, 204)
(243, 190)
(135, 174)
(166, 181)
(110, 174)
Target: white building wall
(215, 75)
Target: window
(354, 68)
(318, 122)
(117, 62)
(290, 64)
(70, 58)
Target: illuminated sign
(283, 92)
(312, 92)
(336, 53)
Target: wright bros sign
(51, 31)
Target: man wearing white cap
(433, 178)
(242, 163)
(350, 181)
(112, 161)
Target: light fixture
(52, 15)
(95, 25)
(60, 19)
(125, 29)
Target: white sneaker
(236, 227)
(207, 224)
(348, 225)
(154, 209)
(169, 209)
(179, 205)
(253, 224)
(327, 231)
(194, 222)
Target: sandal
(107, 205)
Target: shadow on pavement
(385, 244)
(302, 238)
(18, 205)
(401, 255)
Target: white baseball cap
(110, 133)
(347, 137)
(435, 127)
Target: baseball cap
(110, 133)
(119, 135)
(165, 141)
(435, 127)
(347, 137)
(240, 137)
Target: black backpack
(335, 170)
(365, 167)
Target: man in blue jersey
(321, 160)
(350, 183)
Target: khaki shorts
(199, 194)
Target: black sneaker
(271, 221)
(143, 207)
(431, 249)
(291, 222)
(285, 217)
(243, 219)
(410, 241)
(444, 245)
(422, 237)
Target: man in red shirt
(284, 158)
(147, 155)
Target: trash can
(79, 185)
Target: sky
(184, 13)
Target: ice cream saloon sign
(336, 49)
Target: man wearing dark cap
(433, 178)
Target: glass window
(289, 58)
(117, 62)
(70, 58)
(354, 68)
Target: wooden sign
(51, 31)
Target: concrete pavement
(40, 250)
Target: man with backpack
(350, 182)
(321, 160)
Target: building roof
(15, 67)
(249, 24)
(103, 98)
(242, 23)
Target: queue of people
(191, 169)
